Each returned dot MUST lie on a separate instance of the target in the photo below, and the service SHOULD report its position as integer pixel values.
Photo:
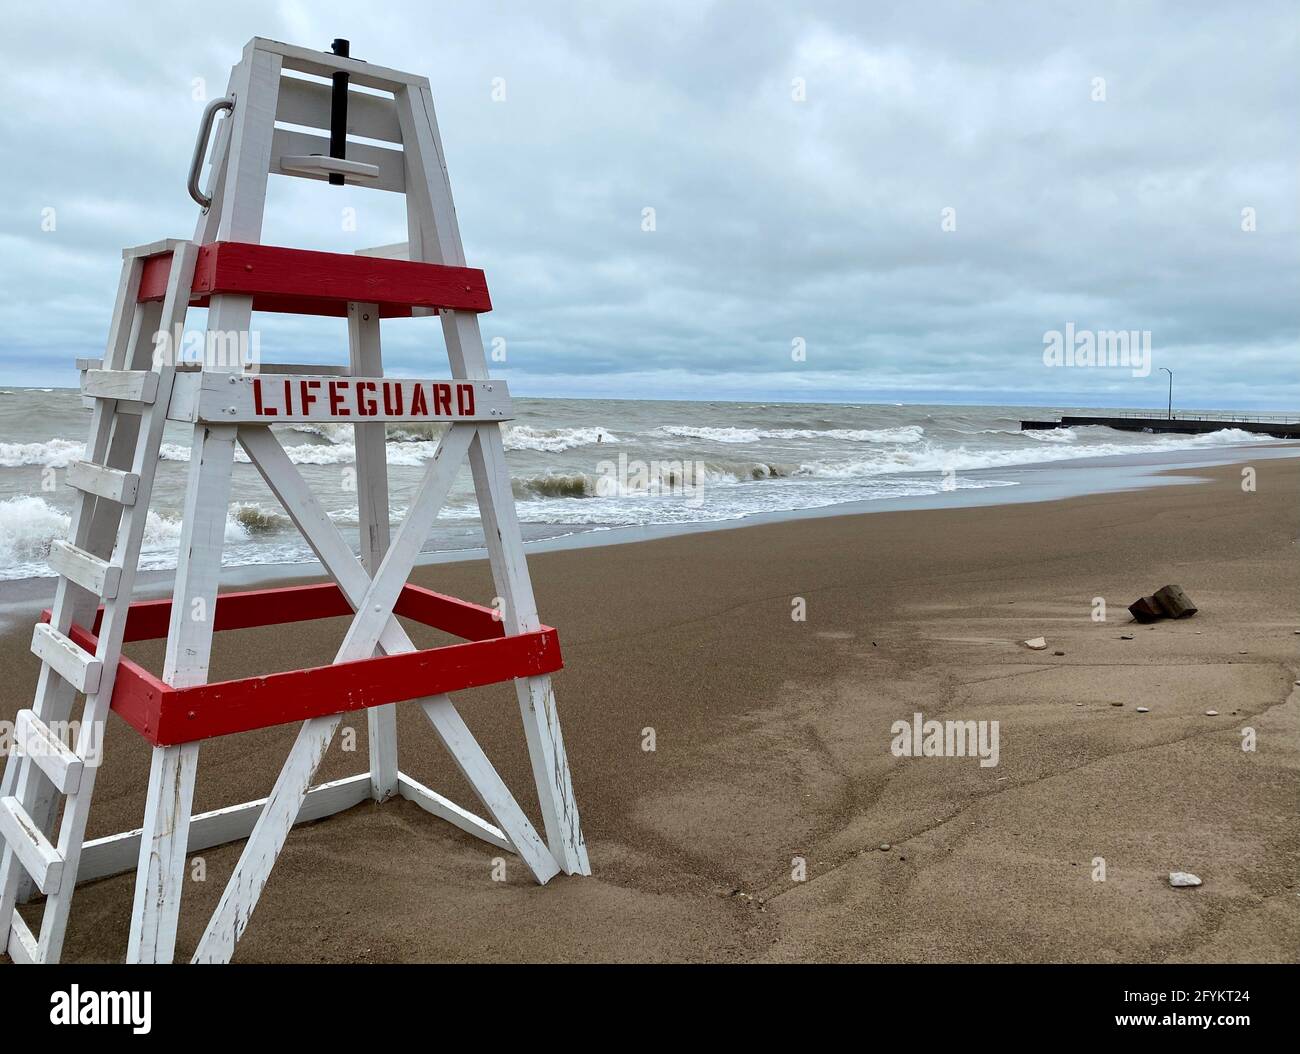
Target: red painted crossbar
(314, 283)
(166, 716)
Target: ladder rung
(32, 848)
(71, 662)
(23, 948)
(87, 570)
(34, 739)
(110, 483)
(135, 385)
(122, 406)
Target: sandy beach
(772, 742)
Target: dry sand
(773, 742)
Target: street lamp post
(1171, 390)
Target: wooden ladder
(129, 396)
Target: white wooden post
(236, 212)
(235, 215)
(435, 237)
(167, 819)
(372, 505)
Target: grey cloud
(776, 219)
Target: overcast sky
(1112, 204)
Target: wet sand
(773, 743)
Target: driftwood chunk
(1174, 602)
(1146, 609)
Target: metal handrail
(201, 148)
(1196, 415)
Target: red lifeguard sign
(134, 392)
(285, 398)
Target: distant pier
(1277, 425)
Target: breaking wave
(553, 440)
(901, 434)
(54, 453)
(930, 457)
(655, 478)
(413, 443)
(254, 519)
(28, 525)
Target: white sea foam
(333, 432)
(54, 453)
(902, 434)
(931, 457)
(29, 524)
(411, 445)
(554, 440)
(729, 503)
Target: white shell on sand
(1037, 643)
(1180, 879)
(1144, 710)
(1211, 713)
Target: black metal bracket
(339, 113)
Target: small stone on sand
(1126, 636)
(1211, 713)
(1036, 643)
(1182, 879)
(1144, 710)
(884, 847)
(1116, 704)
(1058, 653)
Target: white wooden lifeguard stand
(134, 391)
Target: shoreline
(1043, 481)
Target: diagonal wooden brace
(302, 506)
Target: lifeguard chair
(140, 385)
